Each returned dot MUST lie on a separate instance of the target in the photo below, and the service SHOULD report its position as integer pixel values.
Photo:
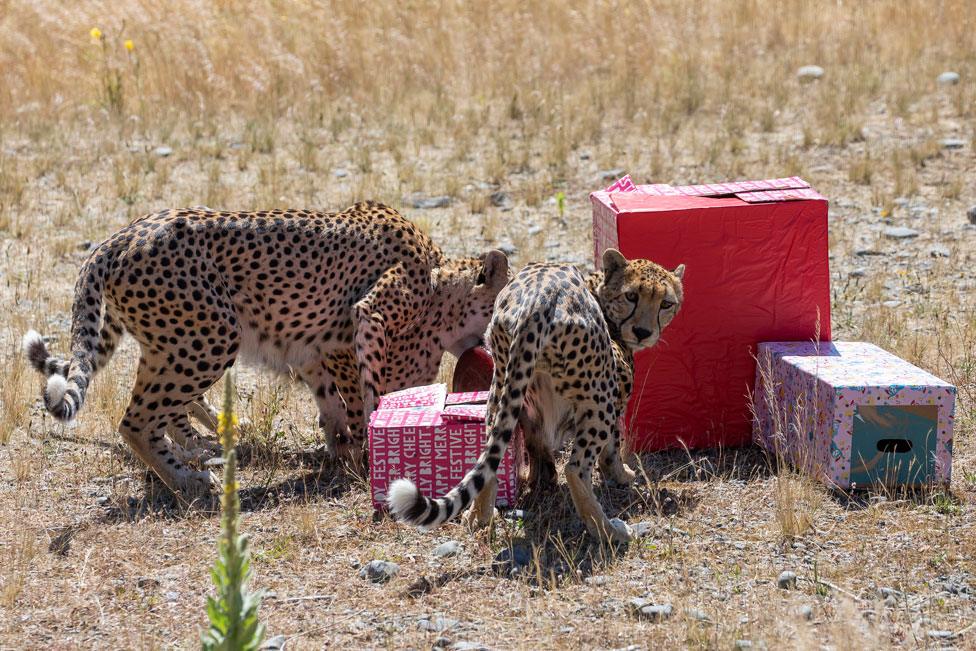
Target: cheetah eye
(631, 296)
(666, 304)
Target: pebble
(743, 644)
(102, 501)
(469, 646)
(952, 143)
(276, 643)
(172, 596)
(340, 173)
(599, 579)
(939, 251)
(806, 612)
(436, 624)
(428, 203)
(507, 248)
(164, 151)
(645, 609)
(900, 233)
(868, 251)
(891, 304)
(448, 549)
(379, 571)
(937, 634)
(948, 78)
(609, 175)
(512, 560)
(810, 73)
(698, 615)
(641, 529)
(786, 580)
(860, 272)
(971, 215)
(500, 199)
(534, 230)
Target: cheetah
(334, 298)
(563, 346)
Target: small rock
(644, 609)
(890, 602)
(507, 248)
(534, 230)
(641, 529)
(84, 246)
(937, 634)
(379, 571)
(340, 173)
(810, 73)
(427, 203)
(860, 272)
(276, 643)
(584, 156)
(948, 78)
(512, 560)
(900, 233)
(500, 199)
(469, 646)
(598, 579)
(698, 615)
(901, 201)
(971, 215)
(743, 644)
(566, 630)
(102, 501)
(147, 582)
(609, 175)
(806, 612)
(939, 251)
(786, 580)
(436, 624)
(891, 304)
(448, 549)
(172, 596)
(868, 251)
(952, 143)
(164, 151)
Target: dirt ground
(312, 109)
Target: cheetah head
(638, 298)
(464, 298)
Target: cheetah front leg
(612, 466)
(332, 411)
(593, 430)
(387, 307)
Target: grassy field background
(315, 105)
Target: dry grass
(316, 105)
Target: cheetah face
(639, 298)
(469, 288)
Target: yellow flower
(96, 34)
(222, 421)
(129, 45)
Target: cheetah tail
(67, 380)
(406, 502)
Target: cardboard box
(434, 438)
(756, 257)
(854, 415)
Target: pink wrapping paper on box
(434, 438)
(823, 394)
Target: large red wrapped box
(434, 438)
(757, 270)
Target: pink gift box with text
(434, 438)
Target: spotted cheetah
(563, 346)
(335, 298)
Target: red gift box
(757, 270)
(434, 438)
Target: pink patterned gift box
(434, 438)
(852, 414)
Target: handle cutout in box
(894, 446)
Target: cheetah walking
(563, 346)
(334, 297)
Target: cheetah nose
(641, 333)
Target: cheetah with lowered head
(564, 346)
(333, 297)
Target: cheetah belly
(551, 413)
(283, 353)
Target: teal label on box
(893, 444)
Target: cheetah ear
(679, 271)
(613, 262)
(494, 272)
